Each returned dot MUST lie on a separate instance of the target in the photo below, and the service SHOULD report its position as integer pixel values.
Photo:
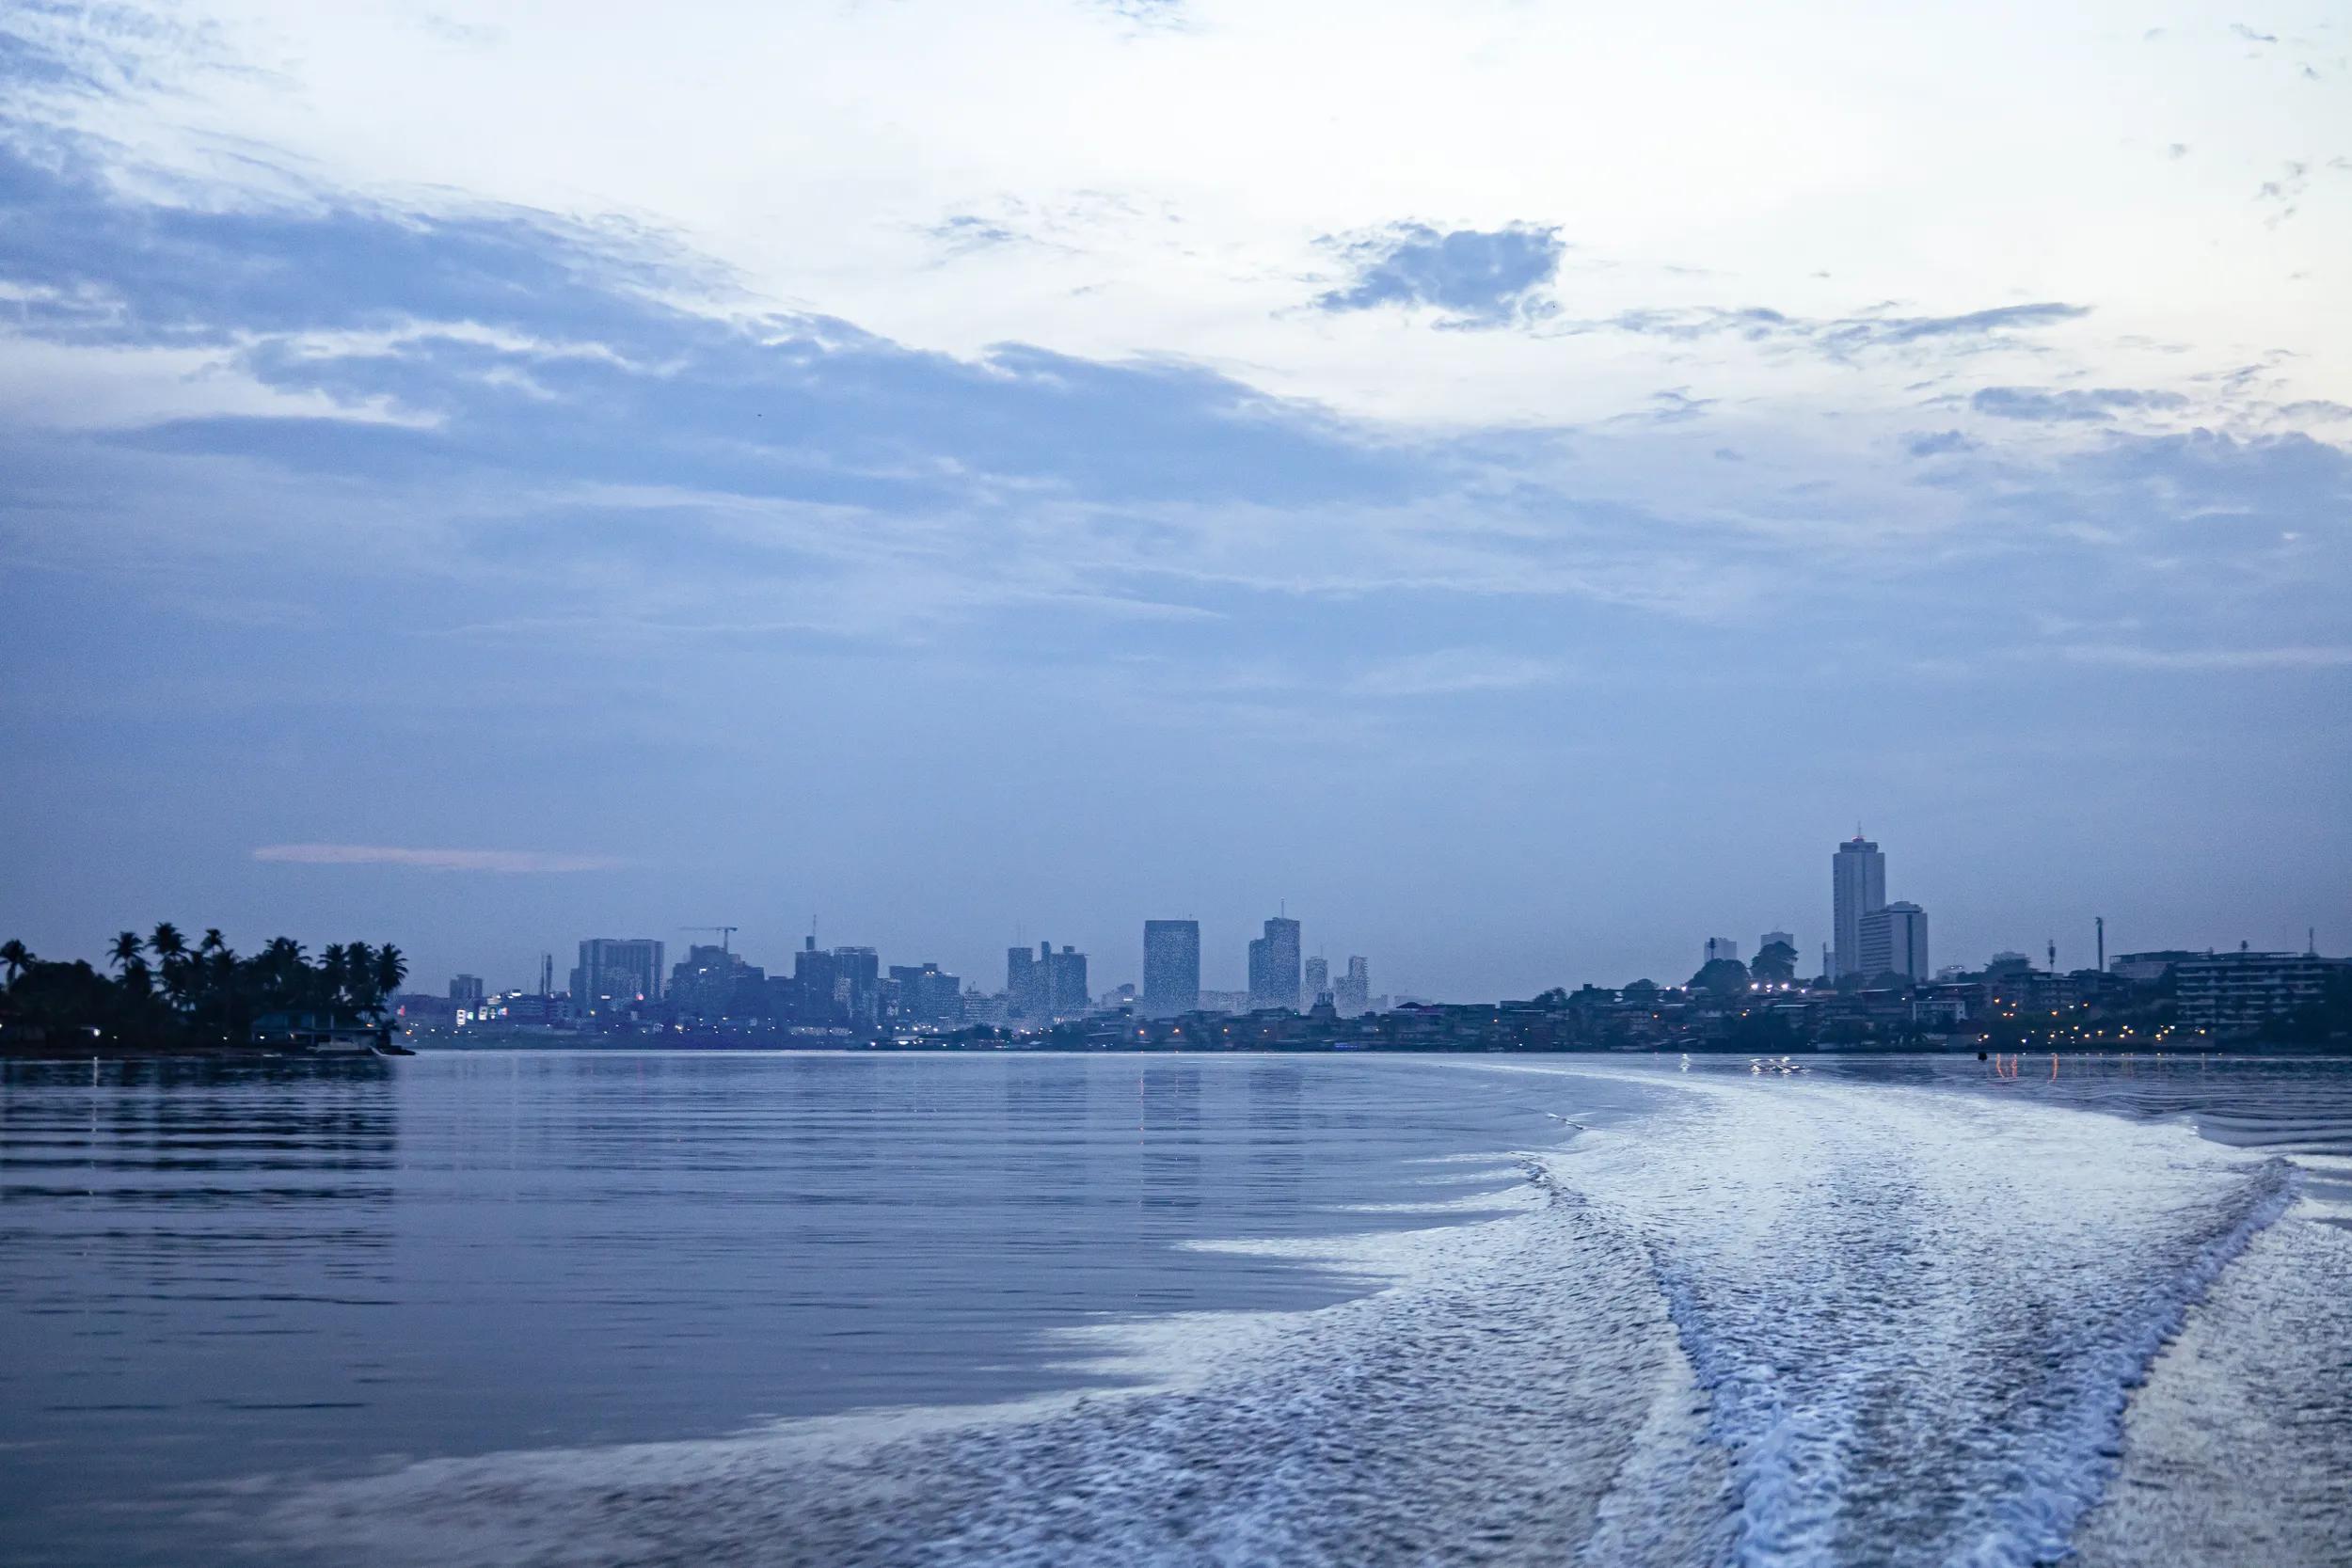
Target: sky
(1511, 485)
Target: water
(832, 1309)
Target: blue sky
(1513, 482)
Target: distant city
(1874, 988)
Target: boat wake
(1780, 1321)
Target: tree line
(167, 990)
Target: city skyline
(1521, 561)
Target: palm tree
(391, 970)
(213, 943)
(126, 951)
(167, 942)
(18, 958)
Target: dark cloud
(2087, 405)
(1478, 279)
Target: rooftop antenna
(2054, 955)
(2101, 921)
(2310, 941)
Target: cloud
(964, 233)
(1449, 671)
(504, 861)
(2177, 151)
(1942, 443)
(2085, 405)
(1836, 336)
(1478, 279)
(2251, 35)
(2127, 656)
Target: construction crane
(727, 934)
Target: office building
(1355, 990)
(1171, 967)
(1043, 986)
(1318, 982)
(1721, 947)
(712, 983)
(857, 984)
(616, 975)
(928, 995)
(1065, 983)
(1785, 939)
(1274, 966)
(1893, 941)
(1858, 885)
(466, 989)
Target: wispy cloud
(1448, 672)
(2087, 405)
(505, 861)
(1836, 336)
(1476, 278)
(2128, 656)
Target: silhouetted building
(466, 989)
(1721, 947)
(712, 983)
(1784, 937)
(1171, 967)
(1858, 885)
(1065, 983)
(857, 984)
(1318, 982)
(1895, 942)
(929, 995)
(1043, 986)
(1355, 990)
(2238, 990)
(1274, 966)
(615, 974)
(2148, 968)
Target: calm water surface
(602, 1308)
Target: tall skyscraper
(1274, 965)
(1857, 886)
(1026, 998)
(1171, 967)
(1355, 993)
(1893, 941)
(1065, 982)
(615, 974)
(1318, 982)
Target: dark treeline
(165, 991)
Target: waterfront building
(1274, 965)
(1893, 941)
(617, 973)
(929, 995)
(1066, 994)
(2238, 990)
(466, 989)
(1857, 886)
(713, 983)
(2146, 969)
(1171, 967)
(857, 984)
(1043, 986)
(1318, 981)
(1355, 991)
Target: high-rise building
(712, 982)
(1784, 937)
(1893, 941)
(1318, 983)
(1857, 886)
(929, 995)
(1274, 965)
(857, 983)
(1066, 994)
(615, 974)
(1171, 967)
(816, 998)
(1028, 998)
(1721, 947)
(466, 989)
(1355, 993)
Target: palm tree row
(199, 993)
